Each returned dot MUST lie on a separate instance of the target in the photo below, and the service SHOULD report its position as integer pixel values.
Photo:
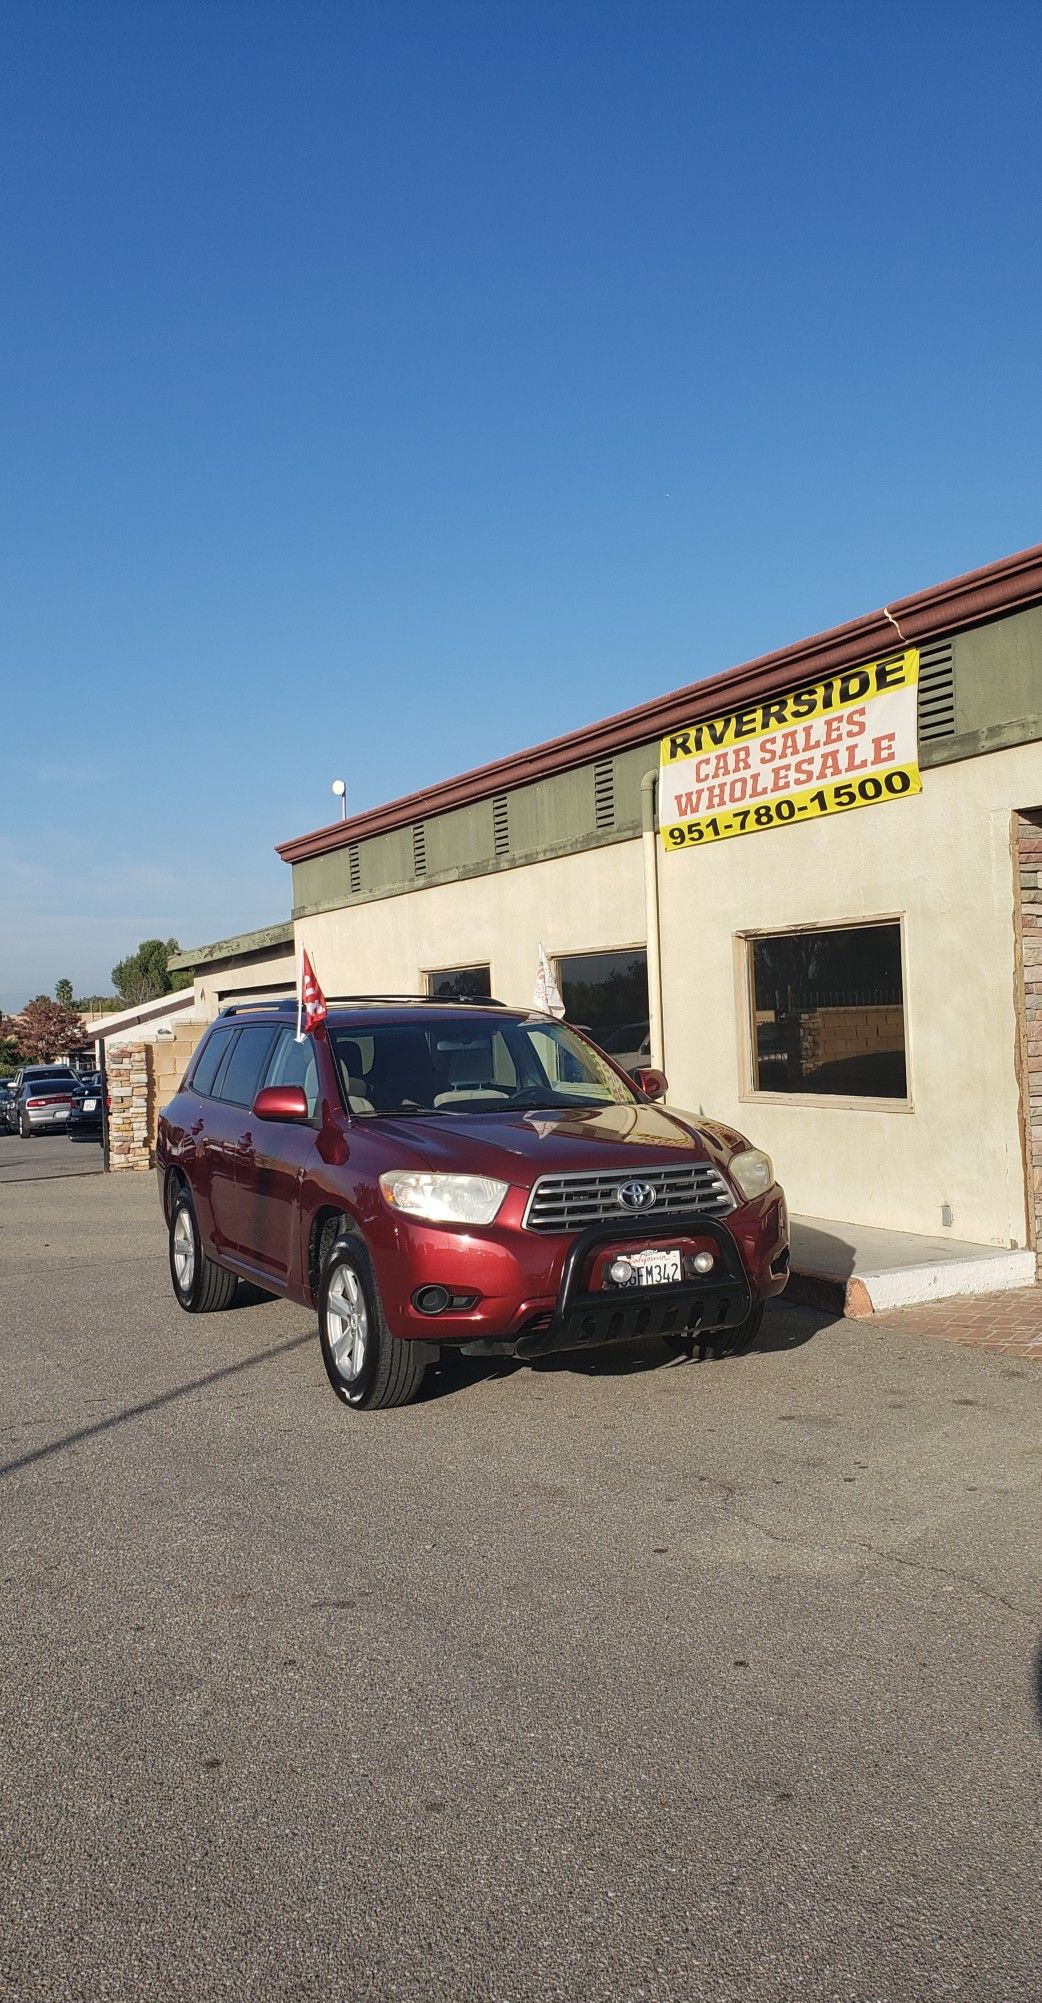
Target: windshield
(471, 1066)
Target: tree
(44, 1031)
(63, 994)
(144, 975)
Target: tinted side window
(242, 1073)
(293, 1063)
(209, 1059)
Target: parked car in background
(429, 1174)
(44, 1095)
(85, 1115)
(6, 1106)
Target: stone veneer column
(1029, 878)
(126, 1067)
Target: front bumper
(516, 1276)
(721, 1299)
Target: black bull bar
(707, 1302)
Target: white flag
(547, 997)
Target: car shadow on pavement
(248, 1296)
(153, 1404)
(784, 1329)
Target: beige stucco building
(860, 992)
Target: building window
(828, 1012)
(606, 994)
(453, 983)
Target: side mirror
(281, 1102)
(653, 1084)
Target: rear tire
(200, 1285)
(368, 1367)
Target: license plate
(659, 1267)
(61, 1112)
(90, 1105)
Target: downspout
(648, 787)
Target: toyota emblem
(635, 1195)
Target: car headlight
(443, 1199)
(752, 1170)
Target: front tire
(720, 1342)
(200, 1286)
(368, 1367)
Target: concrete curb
(866, 1293)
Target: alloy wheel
(347, 1322)
(184, 1250)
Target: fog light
(620, 1272)
(703, 1262)
(432, 1300)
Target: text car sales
(830, 748)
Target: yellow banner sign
(848, 741)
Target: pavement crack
(898, 1558)
(955, 1578)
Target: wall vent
(500, 825)
(419, 848)
(354, 869)
(936, 691)
(604, 793)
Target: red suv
(428, 1173)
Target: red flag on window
(311, 1002)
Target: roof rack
(289, 1002)
(438, 1001)
(272, 1001)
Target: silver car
(44, 1098)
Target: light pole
(339, 788)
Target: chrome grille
(570, 1202)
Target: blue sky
(386, 387)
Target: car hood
(518, 1147)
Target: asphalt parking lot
(714, 1680)
(45, 1156)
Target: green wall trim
(492, 865)
(974, 743)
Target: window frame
(749, 1092)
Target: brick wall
(169, 1057)
(830, 1035)
(141, 1078)
(1029, 881)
